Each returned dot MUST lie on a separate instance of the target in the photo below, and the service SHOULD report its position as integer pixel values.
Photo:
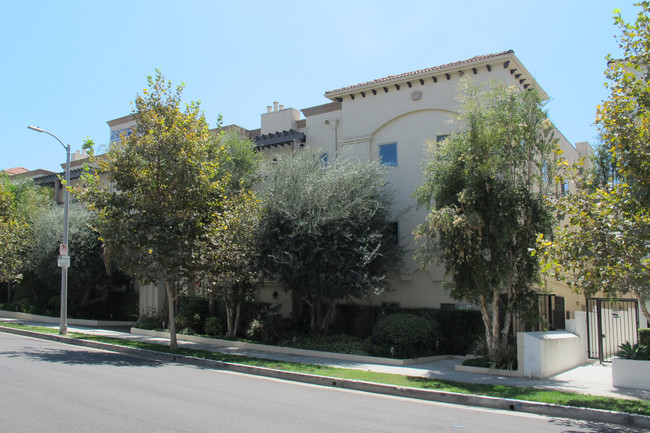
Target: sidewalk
(595, 378)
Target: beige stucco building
(389, 118)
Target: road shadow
(573, 426)
(74, 357)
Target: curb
(547, 409)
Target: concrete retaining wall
(543, 354)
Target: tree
(484, 187)
(230, 257)
(601, 246)
(624, 118)
(603, 243)
(21, 202)
(326, 231)
(157, 190)
(13, 235)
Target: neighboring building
(390, 119)
(51, 179)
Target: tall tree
(21, 202)
(603, 243)
(14, 236)
(230, 258)
(326, 231)
(157, 190)
(484, 187)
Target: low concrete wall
(631, 373)
(543, 354)
(216, 342)
(77, 322)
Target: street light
(63, 324)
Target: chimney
(275, 105)
(269, 109)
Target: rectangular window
(323, 160)
(388, 154)
(441, 137)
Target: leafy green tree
(326, 231)
(92, 279)
(624, 118)
(21, 202)
(157, 190)
(602, 245)
(13, 235)
(230, 256)
(230, 259)
(484, 187)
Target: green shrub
(267, 326)
(644, 336)
(212, 327)
(403, 335)
(636, 351)
(503, 358)
(150, 319)
(331, 343)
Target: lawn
(514, 392)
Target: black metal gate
(610, 323)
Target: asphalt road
(54, 387)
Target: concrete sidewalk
(594, 378)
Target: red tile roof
(15, 170)
(421, 71)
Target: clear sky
(70, 66)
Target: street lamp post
(63, 323)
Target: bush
(267, 326)
(212, 327)
(150, 319)
(637, 351)
(503, 358)
(407, 335)
(332, 343)
(191, 315)
(644, 336)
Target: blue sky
(70, 66)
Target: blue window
(323, 160)
(388, 154)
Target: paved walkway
(593, 378)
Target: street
(53, 387)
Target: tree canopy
(484, 187)
(602, 245)
(326, 230)
(157, 190)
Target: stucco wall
(549, 353)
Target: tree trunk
(237, 315)
(321, 317)
(172, 316)
(642, 303)
(491, 321)
(9, 292)
(229, 320)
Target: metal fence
(611, 323)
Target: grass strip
(514, 392)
